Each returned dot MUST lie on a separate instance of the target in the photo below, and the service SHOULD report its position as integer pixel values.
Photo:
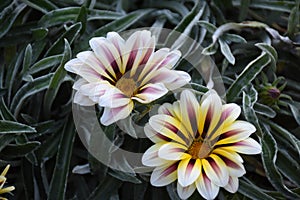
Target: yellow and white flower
(198, 145)
(2, 182)
(117, 72)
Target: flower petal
(170, 109)
(150, 92)
(151, 158)
(180, 78)
(83, 100)
(78, 67)
(155, 136)
(232, 160)
(113, 98)
(206, 187)
(111, 115)
(185, 192)
(107, 54)
(189, 107)
(169, 127)
(216, 170)
(232, 185)
(188, 171)
(209, 113)
(173, 151)
(164, 175)
(248, 146)
(237, 131)
(95, 90)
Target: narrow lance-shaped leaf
(58, 183)
(14, 127)
(269, 156)
(247, 75)
(226, 51)
(41, 5)
(29, 89)
(45, 63)
(57, 79)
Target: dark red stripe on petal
(228, 134)
(229, 162)
(170, 170)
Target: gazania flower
(117, 72)
(198, 145)
(2, 182)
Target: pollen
(127, 86)
(199, 150)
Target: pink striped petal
(185, 192)
(155, 136)
(169, 127)
(171, 59)
(180, 79)
(111, 115)
(189, 108)
(95, 90)
(230, 112)
(237, 131)
(216, 169)
(170, 109)
(248, 146)
(107, 54)
(188, 171)
(173, 151)
(150, 92)
(151, 158)
(78, 67)
(232, 160)
(164, 175)
(206, 187)
(113, 98)
(210, 114)
(232, 185)
(80, 82)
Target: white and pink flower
(116, 73)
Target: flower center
(127, 86)
(199, 150)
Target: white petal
(78, 67)
(206, 188)
(80, 82)
(113, 98)
(82, 100)
(247, 146)
(164, 175)
(150, 92)
(171, 59)
(173, 151)
(185, 192)
(153, 135)
(111, 115)
(95, 90)
(151, 158)
(188, 171)
(232, 185)
(216, 170)
(181, 78)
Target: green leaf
(283, 6)
(14, 127)
(121, 23)
(105, 190)
(295, 108)
(270, 51)
(252, 191)
(19, 150)
(124, 176)
(233, 38)
(4, 111)
(82, 17)
(269, 156)
(58, 183)
(209, 27)
(27, 59)
(45, 63)
(293, 20)
(8, 17)
(37, 85)
(244, 7)
(70, 35)
(42, 5)
(264, 110)
(288, 166)
(226, 51)
(247, 75)
(57, 79)
(6, 139)
(185, 25)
